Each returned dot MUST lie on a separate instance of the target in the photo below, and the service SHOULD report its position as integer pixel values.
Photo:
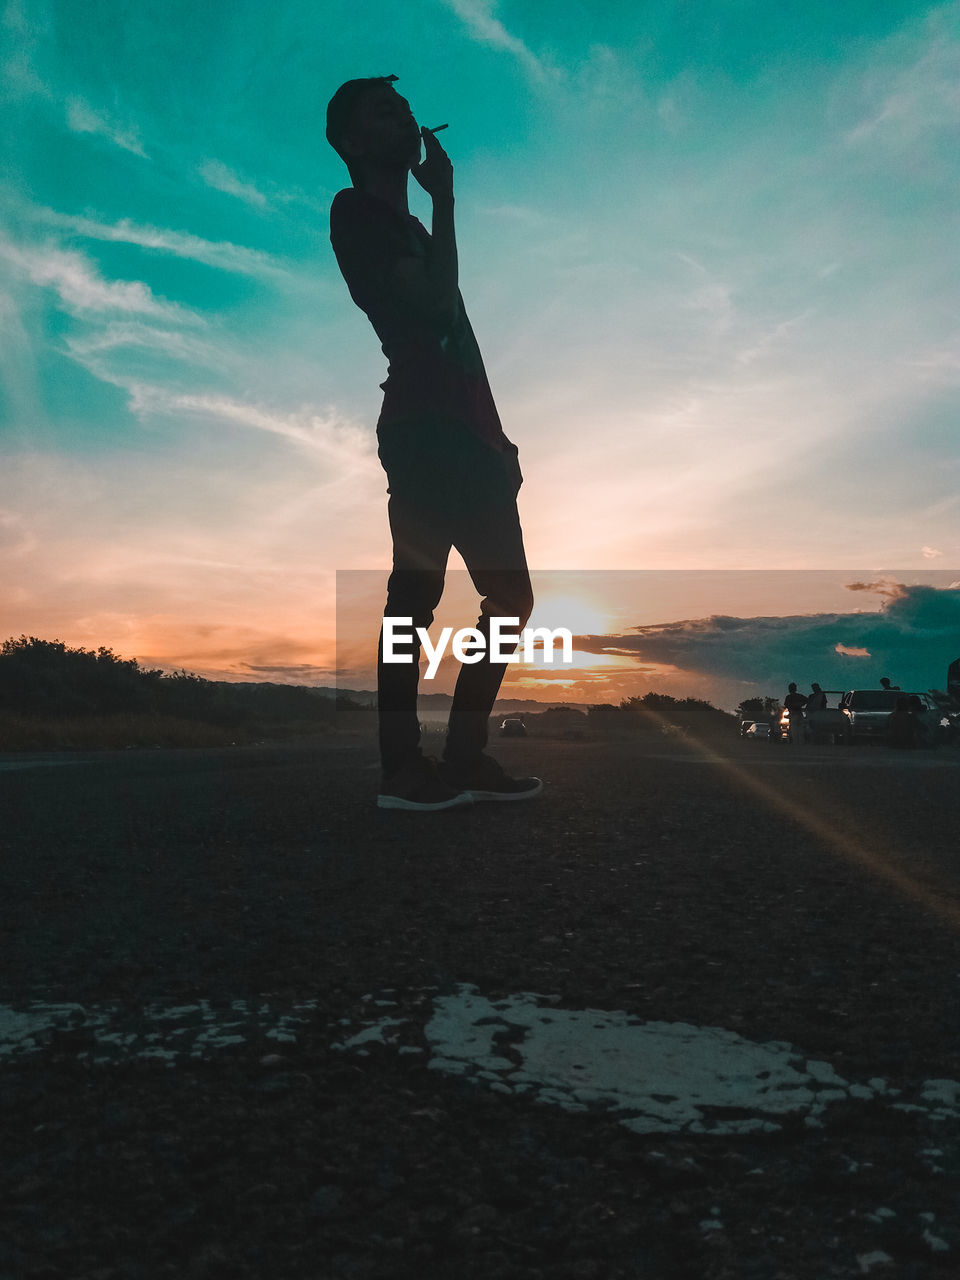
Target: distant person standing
(885, 684)
(817, 700)
(452, 474)
(794, 704)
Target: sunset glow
(582, 617)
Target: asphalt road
(826, 875)
(803, 896)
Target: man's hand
(435, 172)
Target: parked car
(867, 712)
(759, 729)
(513, 727)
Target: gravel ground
(807, 896)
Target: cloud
(773, 336)
(912, 91)
(220, 254)
(81, 287)
(18, 373)
(133, 333)
(302, 673)
(15, 537)
(931, 553)
(325, 435)
(711, 296)
(82, 118)
(916, 634)
(881, 587)
(18, 73)
(938, 364)
(217, 175)
(518, 213)
(236, 652)
(479, 17)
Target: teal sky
(709, 251)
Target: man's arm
(429, 285)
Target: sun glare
(577, 614)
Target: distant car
(513, 727)
(759, 729)
(867, 712)
(745, 726)
(829, 724)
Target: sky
(709, 252)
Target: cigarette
(436, 128)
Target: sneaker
(419, 786)
(486, 780)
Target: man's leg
(421, 545)
(491, 543)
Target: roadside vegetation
(54, 697)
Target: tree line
(50, 680)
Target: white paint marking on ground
(170, 1032)
(667, 1076)
(658, 1077)
(7, 766)
(20, 1031)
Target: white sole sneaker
(458, 801)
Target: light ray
(933, 899)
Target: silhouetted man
(817, 700)
(793, 704)
(452, 474)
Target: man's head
(792, 688)
(370, 124)
(884, 682)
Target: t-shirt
(435, 367)
(794, 704)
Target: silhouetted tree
(48, 677)
(694, 715)
(604, 715)
(766, 709)
(659, 710)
